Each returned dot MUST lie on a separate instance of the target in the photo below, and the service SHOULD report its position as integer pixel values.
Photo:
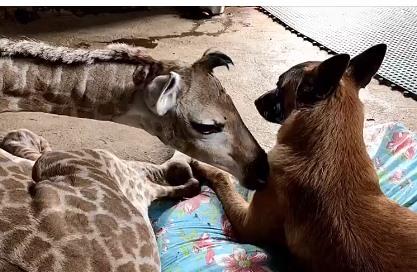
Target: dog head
(309, 83)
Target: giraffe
(25, 144)
(184, 105)
(82, 210)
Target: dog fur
(322, 199)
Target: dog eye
(207, 128)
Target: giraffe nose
(257, 172)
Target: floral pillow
(195, 235)
(393, 149)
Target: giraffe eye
(207, 128)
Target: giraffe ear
(161, 94)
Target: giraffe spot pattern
(146, 250)
(76, 152)
(5, 225)
(20, 177)
(18, 196)
(53, 225)
(128, 240)
(113, 245)
(115, 207)
(45, 196)
(47, 264)
(77, 216)
(35, 248)
(76, 253)
(99, 260)
(15, 216)
(3, 172)
(89, 193)
(128, 267)
(13, 239)
(147, 268)
(77, 222)
(79, 203)
(106, 224)
(15, 170)
(11, 183)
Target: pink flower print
(164, 230)
(240, 261)
(210, 256)
(161, 231)
(227, 228)
(203, 243)
(400, 141)
(397, 176)
(410, 152)
(192, 204)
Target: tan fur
(323, 198)
(84, 210)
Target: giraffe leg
(25, 144)
(178, 179)
(188, 189)
(177, 170)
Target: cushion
(195, 235)
(393, 149)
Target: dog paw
(209, 174)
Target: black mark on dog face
(309, 83)
(303, 86)
(276, 105)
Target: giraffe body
(83, 210)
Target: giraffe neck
(138, 115)
(101, 91)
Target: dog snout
(269, 107)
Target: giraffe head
(192, 112)
(184, 105)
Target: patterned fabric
(393, 149)
(195, 235)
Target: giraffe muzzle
(257, 172)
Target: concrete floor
(260, 48)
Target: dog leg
(257, 222)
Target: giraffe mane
(116, 52)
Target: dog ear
(211, 60)
(329, 73)
(326, 77)
(365, 65)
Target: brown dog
(322, 198)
